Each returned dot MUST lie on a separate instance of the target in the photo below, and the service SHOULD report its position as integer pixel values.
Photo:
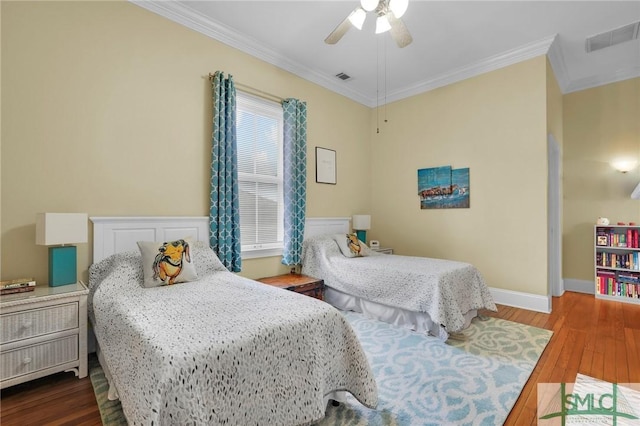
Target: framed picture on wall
(325, 165)
(443, 188)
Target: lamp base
(362, 236)
(62, 265)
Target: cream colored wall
(601, 125)
(106, 110)
(495, 124)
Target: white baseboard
(579, 286)
(532, 302)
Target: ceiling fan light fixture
(398, 7)
(388, 14)
(357, 18)
(369, 5)
(382, 24)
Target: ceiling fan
(388, 14)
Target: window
(259, 126)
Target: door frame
(554, 217)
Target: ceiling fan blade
(399, 31)
(339, 31)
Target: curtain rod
(254, 91)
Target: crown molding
(601, 80)
(192, 19)
(558, 65)
(492, 63)
(196, 21)
(556, 58)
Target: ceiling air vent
(613, 37)
(342, 76)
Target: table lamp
(361, 223)
(59, 229)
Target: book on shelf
(625, 284)
(4, 291)
(608, 237)
(606, 282)
(622, 240)
(629, 278)
(629, 290)
(18, 283)
(630, 261)
(617, 262)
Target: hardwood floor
(593, 337)
(59, 399)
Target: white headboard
(326, 225)
(117, 234)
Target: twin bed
(218, 350)
(433, 296)
(225, 349)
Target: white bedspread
(444, 289)
(223, 349)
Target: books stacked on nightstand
(19, 285)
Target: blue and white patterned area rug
(422, 380)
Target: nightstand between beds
(299, 283)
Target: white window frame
(255, 104)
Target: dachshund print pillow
(167, 263)
(350, 245)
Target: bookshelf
(617, 263)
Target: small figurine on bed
(169, 260)
(354, 244)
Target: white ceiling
(452, 40)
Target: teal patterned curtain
(295, 178)
(224, 213)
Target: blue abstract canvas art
(443, 188)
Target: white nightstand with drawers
(43, 332)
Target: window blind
(259, 131)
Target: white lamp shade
(61, 228)
(361, 221)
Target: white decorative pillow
(167, 263)
(350, 245)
